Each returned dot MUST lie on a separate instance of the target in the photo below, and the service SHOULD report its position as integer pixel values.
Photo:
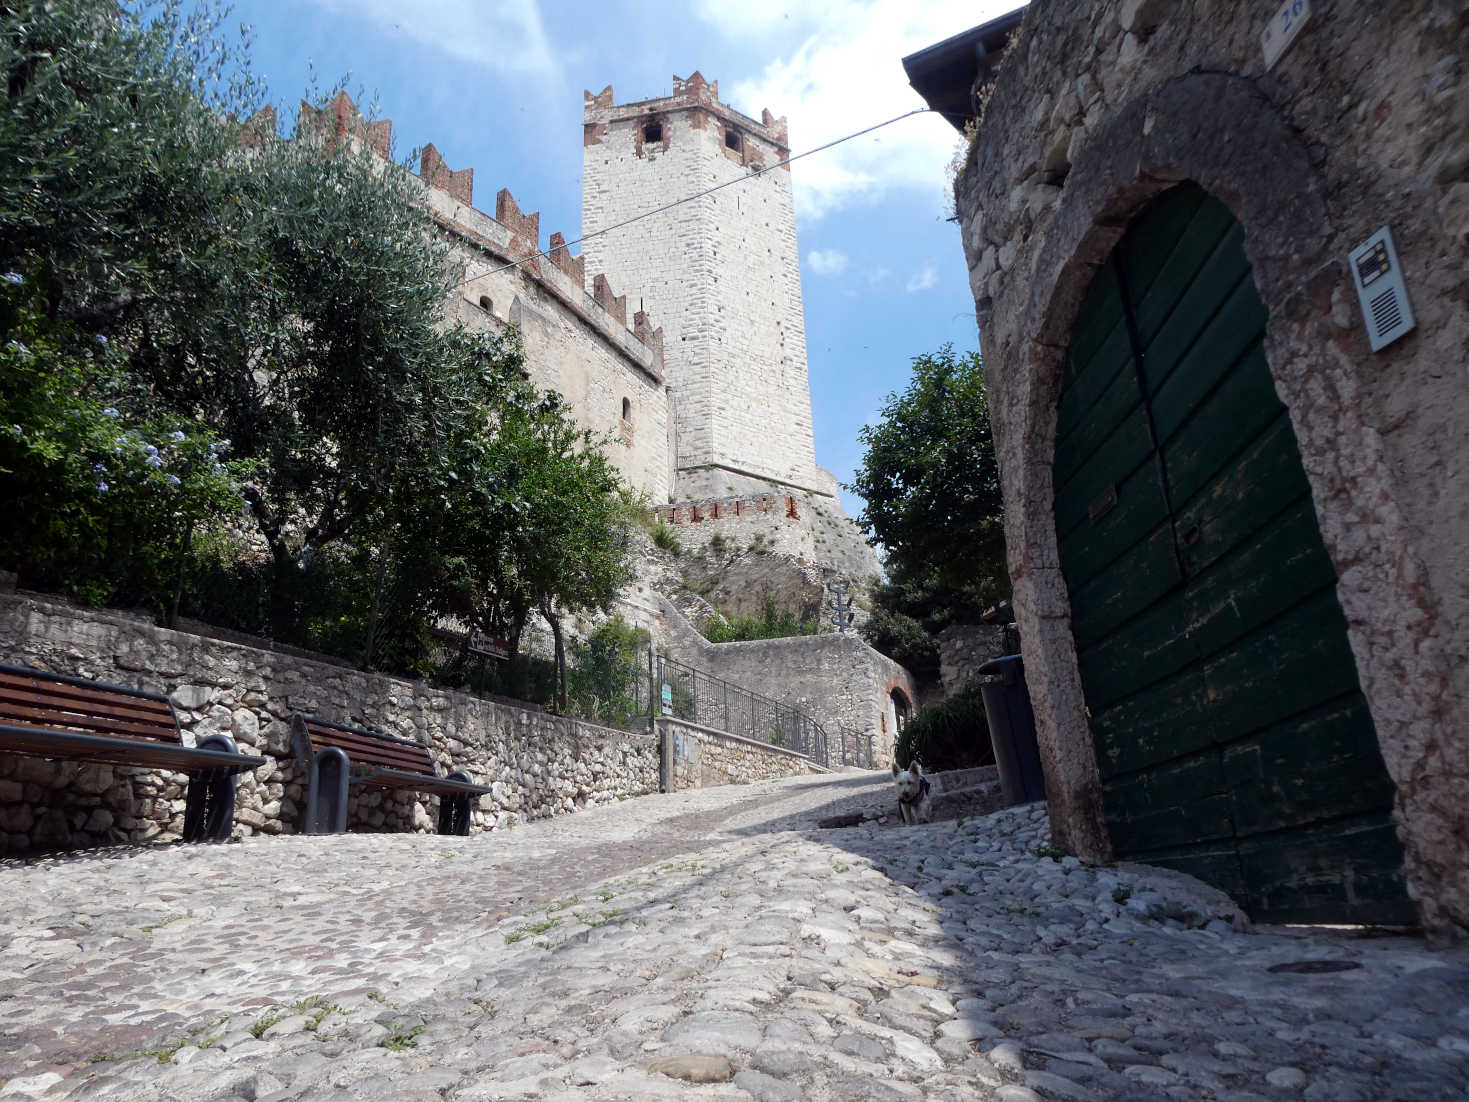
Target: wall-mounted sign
(666, 695)
(1281, 31)
(489, 645)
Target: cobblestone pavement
(711, 944)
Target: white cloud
(757, 19)
(923, 279)
(827, 262)
(845, 72)
(506, 36)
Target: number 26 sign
(1282, 29)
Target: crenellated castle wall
(578, 338)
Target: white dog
(914, 801)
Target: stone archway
(901, 706)
(1261, 170)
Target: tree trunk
(178, 585)
(560, 666)
(377, 601)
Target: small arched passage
(900, 707)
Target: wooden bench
(49, 715)
(336, 755)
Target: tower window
(653, 132)
(732, 139)
(627, 409)
(486, 305)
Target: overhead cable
(690, 198)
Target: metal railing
(698, 697)
(857, 748)
(626, 695)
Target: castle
(703, 389)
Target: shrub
(608, 667)
(773, 622)
(665, 537)
(951, 735)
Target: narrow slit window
(627, 409)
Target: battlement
(509, 235)
(689, 94)
(766, 505)
(340, 119)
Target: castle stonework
(680, 338)
(720, 273)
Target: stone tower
(721, 274)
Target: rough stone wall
(837, 679)
(721, 273)
(703, 758)
(577, 343)
(1098, 107)
(539, 765)
(963, 648)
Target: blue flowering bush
(105, 498)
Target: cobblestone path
(712, 944)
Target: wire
(690, 198)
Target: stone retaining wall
(702, 757)
(837, 679)
(538, 764)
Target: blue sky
(497, 85)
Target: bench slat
(72, 698)
(51, 718)
(368, 754)
(442, 785)
(127, 700)
(18, 698)
(28, 674)
(69, 746)
(368, 750)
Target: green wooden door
(1231, 732)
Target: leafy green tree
(284, 295)
(519, 514)
(951, 735)
(109, 125)
(609, 665)
(905, 639)
(931, 485)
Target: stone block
(99, 820)
(1141, 17)
(51, 828)
(17, 819)
(190, 698)
(94, 779)
(245, 725)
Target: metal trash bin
(1012, 730)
